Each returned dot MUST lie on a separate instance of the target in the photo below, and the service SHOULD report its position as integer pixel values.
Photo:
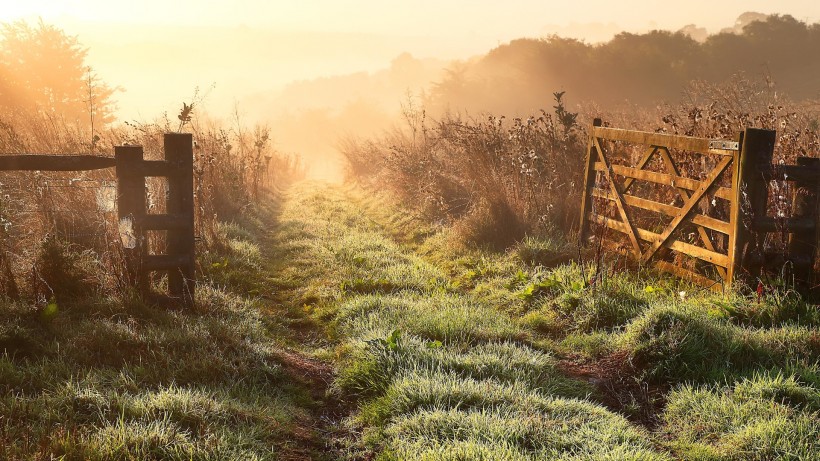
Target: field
(333, 325)
(433, 305)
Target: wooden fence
(133, 217)
(710, 229)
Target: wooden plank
(713, 257)
(751, 190)
(668, 210)
(664, 266)
(45, 162)
(662, 178)
(769, 224)
(687, 207)
(131, 198)
(180, 203)
(798, 260)
(170, 263)
(619, 202)
(802, 173)
(685, 274)
(734, 213)
(156, 168)
(659, 139)
(803, 242)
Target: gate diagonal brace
(644, 160)
(705, 185)
(619, 199)
(684, 194)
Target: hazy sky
(455, 18)
(159, 50)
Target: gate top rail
(672, 141)
(46, 162)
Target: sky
(455, 18)
(159, 51)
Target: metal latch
(724, 145)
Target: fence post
(589, 183)
(180, 203)
(751, 193)
(803, 242)
(130, 212)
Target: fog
(320, 71)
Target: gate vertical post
(750, 194)
(179, 153)
(589, 183)
(131, 211)
(803, 242)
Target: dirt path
(367, 297)
(305, 339)
(312, 227)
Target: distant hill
(311, 116)
(644, 69)
(384, 88)
(518, 78)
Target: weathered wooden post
(180, 204)
(131, 212)
(803, 239)
(589, 183)
(750, 194)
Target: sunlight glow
(12, 11)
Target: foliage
(488, 176)
(44, 70)
(630, 69)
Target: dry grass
(47, 217)
(498, 179)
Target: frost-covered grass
(456, 353)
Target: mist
(317, 87)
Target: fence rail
(675, 221)
(44, 162)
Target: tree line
(642, 69)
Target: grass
(456, 352)
(105, 378)
(430, 353)
(680, 343)
(437, 350)
(765, 417)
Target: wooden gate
(706, 229)
(133, 217)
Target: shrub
(64, 271)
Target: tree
(43, 69)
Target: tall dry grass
(58, 233)
(498, 179)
